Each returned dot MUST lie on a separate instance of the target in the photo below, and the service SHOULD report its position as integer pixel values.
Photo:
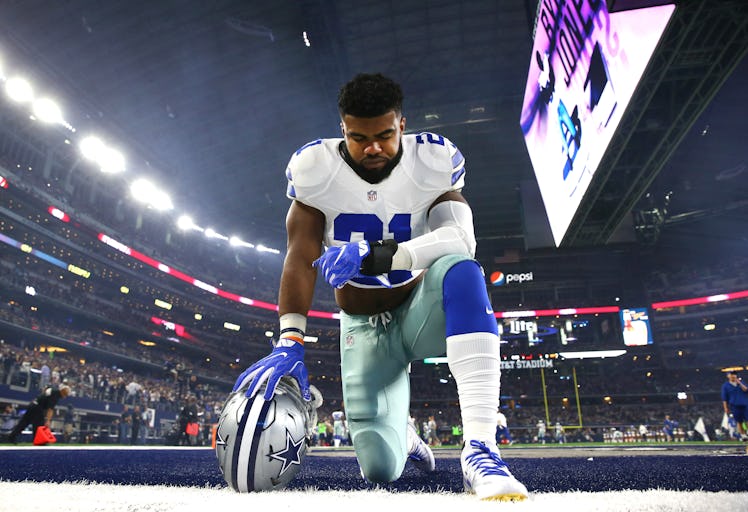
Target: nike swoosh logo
(489, 311)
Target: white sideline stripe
(91, 497)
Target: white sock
(475, 362)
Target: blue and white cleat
(419, 452)
(487, 476)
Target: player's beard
(374, 175)
(375, 163)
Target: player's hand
(340, 264)
(287, 358)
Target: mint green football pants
(375, 354)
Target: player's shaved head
(370, 95)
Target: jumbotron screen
(635, 327)
(584, 68)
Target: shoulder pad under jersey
(441, 160)
(311, 167)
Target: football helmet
(261, 444)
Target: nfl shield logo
(372, 195)
(349, 341)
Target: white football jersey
(397, 207)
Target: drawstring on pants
(383, 318)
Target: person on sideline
(735, 402)
(40, 411)
(668, 428)
(503, 436)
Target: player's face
(373, 141)
(732, 378)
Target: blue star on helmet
(290, 454)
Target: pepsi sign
(500, 279)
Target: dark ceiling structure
(211, 99)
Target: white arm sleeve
(451, 224)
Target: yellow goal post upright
(576, 397)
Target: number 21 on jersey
(371, 226)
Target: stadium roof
(215, 96)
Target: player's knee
(378, 459)
(467, 307)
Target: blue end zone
(199, 468)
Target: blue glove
(287, 358)
(341, 264)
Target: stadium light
(161, 201)
(111, 161)
(262, 248)
(235, 241)
(144, 191)
(19, 89)
(91, 147)
(47, 111)
(212, 233)
(184, 222)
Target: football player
(399, 250)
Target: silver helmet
(261, 444)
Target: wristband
(379, 259)
(292, 327)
